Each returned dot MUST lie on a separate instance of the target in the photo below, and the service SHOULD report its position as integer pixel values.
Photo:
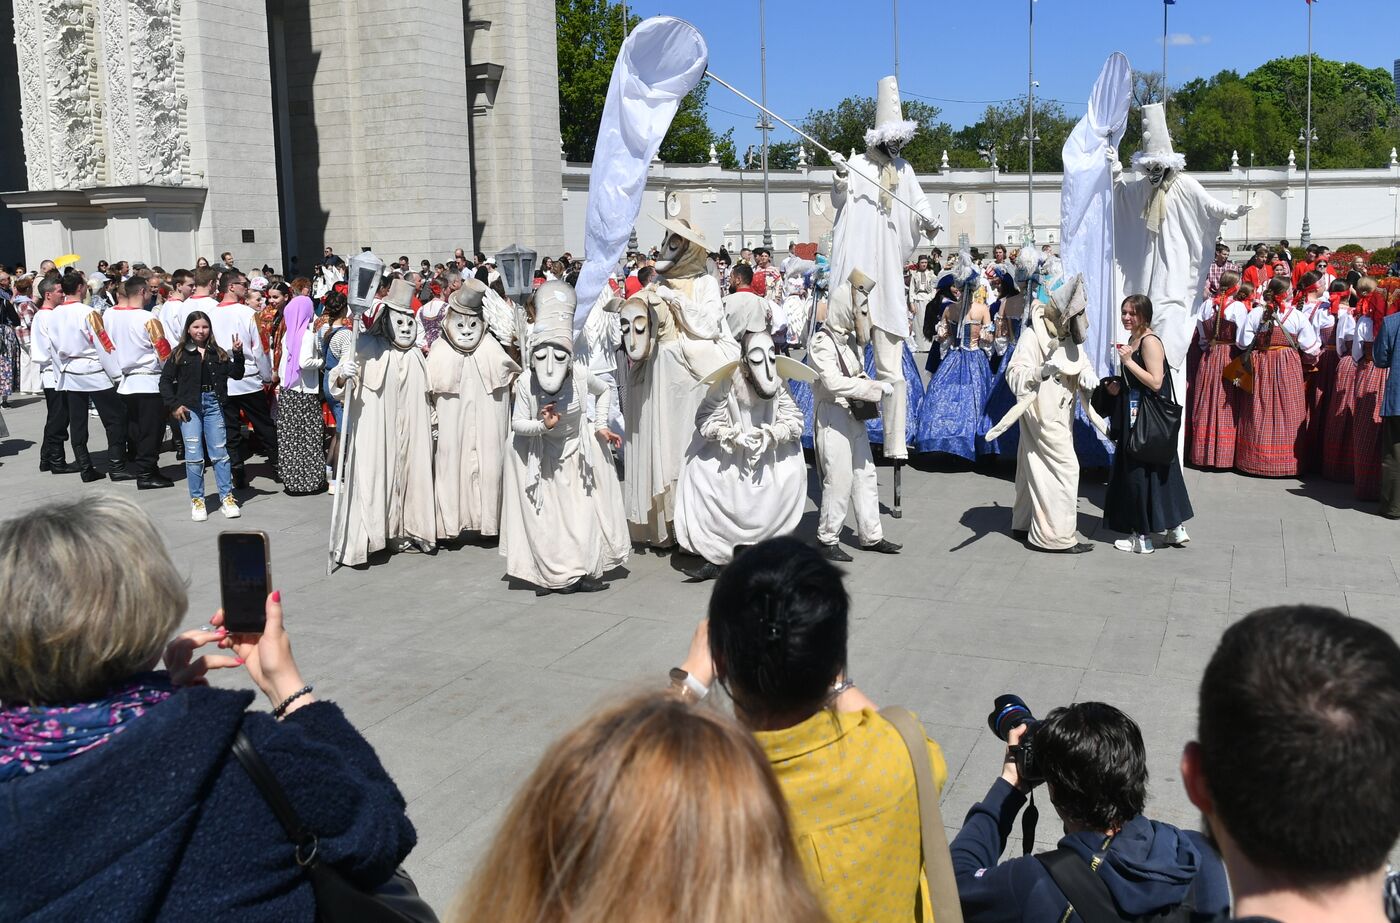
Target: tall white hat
(890, 123)
(554, 315)
(1157, 141)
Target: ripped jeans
(204, 430)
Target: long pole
(1030, 119)
(895, 4)
(1164, 51)
(764, 124)
(338, 508)
(1248, 195)
(1307, 144)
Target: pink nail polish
(239, 660)
(277, 596)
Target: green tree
(842, 128)
(1002, 128)
(690, 137)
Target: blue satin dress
(949, 418)
(914, 382)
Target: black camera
(1008, 713)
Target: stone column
(60, 99)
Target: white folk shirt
(1294, 322)
(81, 350)
(296, 376)
(141, 347)
(232, 319)
(40, 348)
(1236, 312)
(177, 312)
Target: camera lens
(1008, 713)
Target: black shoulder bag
(1088, 896)
(861, 410)
(337, 899)
(1153, 436)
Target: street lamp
(362, 281)
(1306, 137)
(1029, 136)
(744, 164)
(764, 125)
(1248, 195)
(1029, 139)
(517, 267)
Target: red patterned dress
(1319, 380)
(1215, 406)
(1366, 423)
(1270, 435)
(1337, 447)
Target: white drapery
(662, 60)
(1086, 204)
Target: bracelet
(281, 710)
(684, 682)
(841, 685)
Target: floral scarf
(34, 737)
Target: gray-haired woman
(122, 798)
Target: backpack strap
(938, 861)
(1086, 892)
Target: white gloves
(667, 293)
(1088, 379)
(839, 162)
(1239, 210)
(886, 388)
(1054, 365)
(346, 372)
(931, 229)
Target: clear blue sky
(820, 51)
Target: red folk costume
(1370, 385)
(1215, 406)
(1317, 380)
(1337, 447)
(1271, 419)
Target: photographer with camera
(1113, 864)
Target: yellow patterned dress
(850, 791)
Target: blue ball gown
(801, 392)
(913, 381)
(948, 419)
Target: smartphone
(245, 580)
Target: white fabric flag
(661, 61)
(1086, 204)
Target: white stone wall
(229, 94)
(518, 142)
(1346, 206)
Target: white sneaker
(330, 487)
(1176, 537)
(1138, 544)
(197, 511)
(230, 508)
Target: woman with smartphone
(194, 386)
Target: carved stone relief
(76, 153)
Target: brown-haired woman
(1215, 406)
(1270, 438)
(651, 810)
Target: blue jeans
(205, 429)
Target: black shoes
(59, 466)
(1077, 548)
(1021, 535)
(90, 474)
(883, 546)
(120, 473)
(706, 571)
(45, 464)
(585, 584)
(153, 482)
(835, 553)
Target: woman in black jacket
(122, 800)
(194, 386)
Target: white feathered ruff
(902, 132)
(1144, 159)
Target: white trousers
(848, 475)
(889, 366)
(922, 344)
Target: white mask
(860, 305)
(464, 330)
(1156, 173)
(403, 328)
(636, 332)
(761, 364)
(551, 364)
(671, 251)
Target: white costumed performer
(744, 478)
(562, 520)
(877, 233)
(1046, 372)
(836, 354)
(1165, 226)
(471, 377)
(389, 457)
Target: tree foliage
(842, 128)
(589, 37)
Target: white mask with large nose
(636, 331)
(761, 364)
(551, 365)
(403, 328)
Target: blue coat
(1150, 866)
(162, 822)
(1385, 351)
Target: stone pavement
(460, 679)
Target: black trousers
(1390, 466)
(259, 413)
(145, 424)
(55, 424)
(111, 411)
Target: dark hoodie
(1150, 866)
(162, 822)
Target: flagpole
(1165, 4)
(1307, 148)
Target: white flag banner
(1086, 204)
(662, 60)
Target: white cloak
(726, 498)
(471, 396)
(1047, 467)
(388, 495)
(876, 242)
(561, 505)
